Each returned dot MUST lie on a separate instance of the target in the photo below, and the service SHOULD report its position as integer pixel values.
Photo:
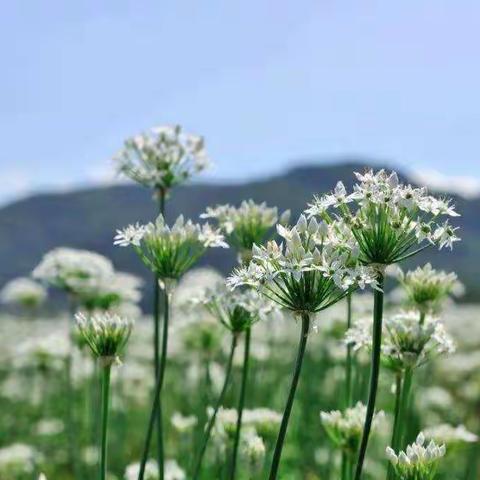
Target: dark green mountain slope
(88, 219)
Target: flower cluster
(312, 271)
(172, 471)
(162, 158)
(183, 424)
(253, 448)
(426, 287)
(244, 226)
(386, 218)
(417, 462)
(105, 334)
(170, 251)
(237, 310)
(407, 343)
(24, 292)
(450, 435)
(74, 270)
(18, 461)
(345, 428)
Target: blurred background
(290, 96)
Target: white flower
(417, 462)
(24, 292)
(183, 423)
(18, 460)
(450, 435)
(162, 158)
(131, 235)
(171, 251)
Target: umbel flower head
(23, 292)
(244, 226)
(426, 288)
(105, 334)
(310, 272)
(162, 158)
(452, 436)
(73, 270)
(237, 310)
(407, 342)
(170, 251)
(345, 428)
(386, 218)
(417, 462)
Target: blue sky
(269, 83)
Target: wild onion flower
(18, 461)
(162, 158)
(313, 271)
(23, 292)
(345, 428)
(407, 343)
(73, 270)
(450, 435)
(417, 462)
(253, 449)
(427, 288)
(244, 226)
(183, 423)
(172, 471)
(106, 335)
(169, 251)
(389, 222)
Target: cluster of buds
(23, 292)
(162, 158)
(417, 462)
(244, 226)
(170, 251)
(105, 334)
(386, 218)
(407, 343)
(427, 288)
(312, 271)
(345, 428)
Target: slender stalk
(156, 396)
(104, 434)
(291, 396)
(156, 343)
(394, 442)
(404, 404)
(374, 373)
(348, 367)
(241, 403)
(211, 422)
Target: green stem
(394, 442)
(348, 367)
(404, 405)
(241, 402)
(291, 396)
(105, 400)
(211, 422)
(156, 404)
(374, 373)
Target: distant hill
(88, 219)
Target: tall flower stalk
(245, 226)
(168, 252)
(106, 336)
(161, 159)
(389, 222)
(308, 274)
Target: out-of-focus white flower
(73, 270)
(23, 292)
(252, 448)
(450, 435)
(311, 272)
(105, 334)
(49, 426)
(172, 471)
(345, 428)
(426, 288)
(162, 158)
(183, 423)
(417, 462)
(244, 226)
(408, 342)
(388, 219)
(171, 251)
(18, 460)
